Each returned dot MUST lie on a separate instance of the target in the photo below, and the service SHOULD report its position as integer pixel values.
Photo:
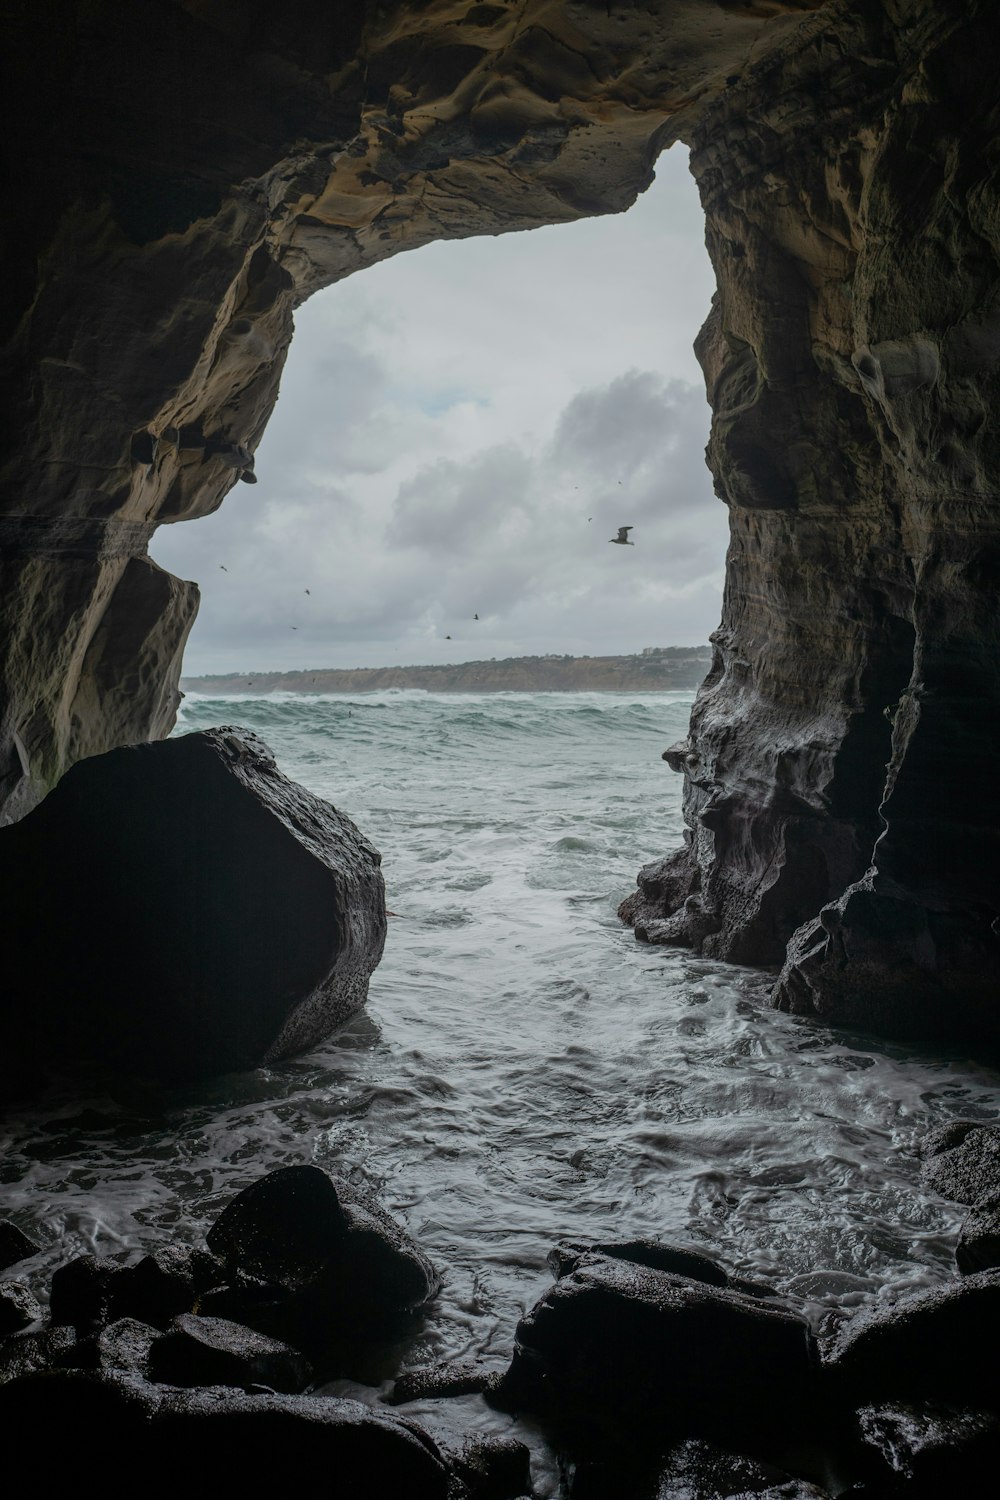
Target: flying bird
(223, 567)
(307, 591)
(447, 637)
(475, 617)
(293, 627)
(621, 540)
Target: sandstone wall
(843, 740)
(187, 172)
(184, 173)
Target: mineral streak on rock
(182, 908)
(840, 789)
(196, 189)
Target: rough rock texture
(183, 908)
(936, 1345)
(183, 184)
(962, 1161)
(177, 200)
(14, 1245)
(320, 1263)
(839, 781)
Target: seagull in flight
(223, 567)
(475, 617)
(621, 540)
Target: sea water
(525, 1070)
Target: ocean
(525, 1071)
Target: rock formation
(181, 909)
(183, 184)
(838, 787)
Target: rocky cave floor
(653, 1373)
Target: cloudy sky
(460, 431)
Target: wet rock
(640, 1252)
(153, 1287)
(31, 1353)
(698, 1471)
(943, 1448)
(617, 1345)
(18, 1307)
(247, 913)
(342, 1272)
(939, 1344)
(962, 1160)
(219, 1438)
(14, 1245)
(494, 1467)
(978, 1247)
(450, 1378)
(213, 1351)
(125, 1345)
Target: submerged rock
(182, 908)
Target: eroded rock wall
(839, 786)
(185, 173)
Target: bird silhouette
(447, 637)
(223, 567)
(307, 591)
(293, 627)
(621, 540)
(475, 617)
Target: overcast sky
(460, 431)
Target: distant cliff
(656, 670)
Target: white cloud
(460, 431)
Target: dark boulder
(153, 1286)
(181, 908)
(340, 1272)
(696, 1470)
(18, 1307)
(30, 1353)
(14, 1245)
(450, 1378)
(962, 1160)
(618, 1346)
(125, 1345)
(978, 1247)
(494, 1467)
(939, 1344)
(939, 1449)
(194, 1441)
(640, 1252)
(213, 1351)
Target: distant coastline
(658, 669)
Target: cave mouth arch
(459, 432)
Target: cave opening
(460, 430)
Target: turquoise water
(525, 1071)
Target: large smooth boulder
(182, 908)
(614, 1344)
